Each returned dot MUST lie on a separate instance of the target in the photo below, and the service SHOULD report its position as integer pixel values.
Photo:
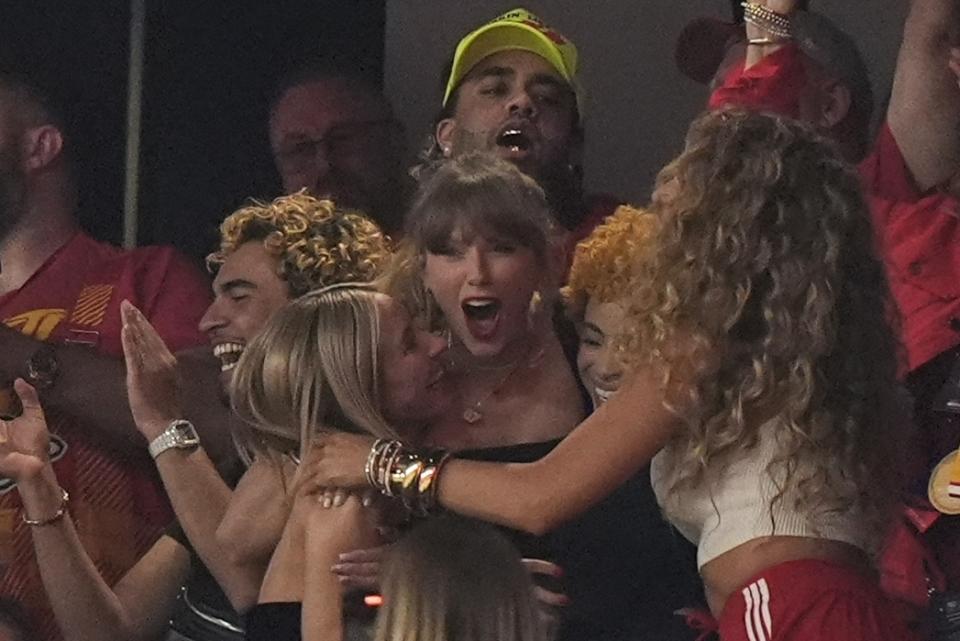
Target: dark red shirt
(116, 502)
(917, 234)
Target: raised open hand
(24, 441)
(153, 388)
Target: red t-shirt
(116, 501)
(917, 234)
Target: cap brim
(702, 45)
(497, 37)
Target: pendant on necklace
(471, 416)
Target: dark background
(208, 70)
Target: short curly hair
(317, 243)
(605, 263)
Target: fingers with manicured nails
(546, 568)
(360, 568)
(542, 566)
(547, 597)
(366, 555)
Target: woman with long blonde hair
(344, 358)
(761, 383)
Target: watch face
(184, 434)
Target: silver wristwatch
(179, 434)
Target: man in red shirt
(60, 293)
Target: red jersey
(116, 501)
(918, 235)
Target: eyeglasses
(340, 141)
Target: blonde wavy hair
(315, 365)
(763, 302)
(606, 263)
(451, 579)
(316, 242)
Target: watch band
(180, 434)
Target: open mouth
(514, 140)
(228, 354)
(482, 316)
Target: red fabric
(810, 600)
(918, 235)
(921, 247)
(775, 84)
(117, 503)
(908, 565)
(596, 209)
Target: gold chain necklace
(473, 413)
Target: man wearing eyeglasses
(334, 133)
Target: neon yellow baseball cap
(516, 29)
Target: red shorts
(811, 600)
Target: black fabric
(281, 622)
(626, 570)
(274, 622)
(201, 592)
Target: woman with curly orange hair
(761, 385)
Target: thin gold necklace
(474, 413)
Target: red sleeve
(174, 293)
(884, 172)
(774, 84)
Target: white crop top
(731, 508)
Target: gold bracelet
(64, 500)
(763, 42)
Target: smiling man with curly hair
(272, 252)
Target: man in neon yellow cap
(511, 89)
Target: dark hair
(319, 69)
(43, 104)
(484, 194)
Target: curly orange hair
(317, 243)
(606, 263)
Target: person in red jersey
(60, 294)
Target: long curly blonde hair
(316, 242)
(764, 302)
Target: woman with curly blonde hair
(761, 383)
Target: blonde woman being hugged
(345, 358)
